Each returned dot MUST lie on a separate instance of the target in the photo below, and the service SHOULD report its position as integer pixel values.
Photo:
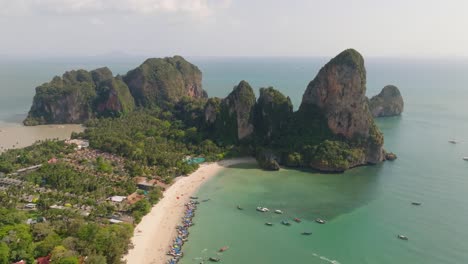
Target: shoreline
(157, 230)
(14, 136)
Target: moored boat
(465, 158)
(297, 220)
(320, 221)
(453, 141)
(402, 237)
(268, 224)
(415, 203)
(306, 233)
(223, 249)
(213, 259)
(239, 207)
(262, 209)
(286, 223)
(278, 212)
(194, 197)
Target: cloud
(84, 7)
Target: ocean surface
(365, 208)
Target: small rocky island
(388, 102)
(333, 129)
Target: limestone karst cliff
(230, 120)
(160, 80)
(79, 95)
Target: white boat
(402, 237)
(320, 221)
(262, 209)
(465, 158)
(278, 212)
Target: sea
(365, 208)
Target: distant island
(333, 129)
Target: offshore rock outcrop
(161, 80)
(388, 102)
(230, 120)
(79, 95)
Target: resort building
(80, 143)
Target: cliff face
(79, 95)
(65, 99)
(388, 102)
(339, 91)
(164, 80)
(335, 106)
(113, 95)
(272, 116)
(230, 120)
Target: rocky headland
(333, 129)
(81, 95)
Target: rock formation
(272, 116)
(388, 102)
(230, 120)
(157, 81)
(112, 94)
(79, 95)
(66, 99)
(333, 129)
(267, 160)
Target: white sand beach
(157, 230)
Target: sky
(390, 28)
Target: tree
(61, 255)
(96, 259)
(4, 253)
(19, 240)
(154, 195)
(44, 247)
(139, 209)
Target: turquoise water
(365, 207)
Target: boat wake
(332, 261)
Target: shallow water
(365, 208)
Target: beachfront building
(80, 143)
(7, 182)
(30, 206)
(117, 199)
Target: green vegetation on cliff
(272, 116)
(78, 96)
(161, 80)
(230, 121)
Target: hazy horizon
(233, 28)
